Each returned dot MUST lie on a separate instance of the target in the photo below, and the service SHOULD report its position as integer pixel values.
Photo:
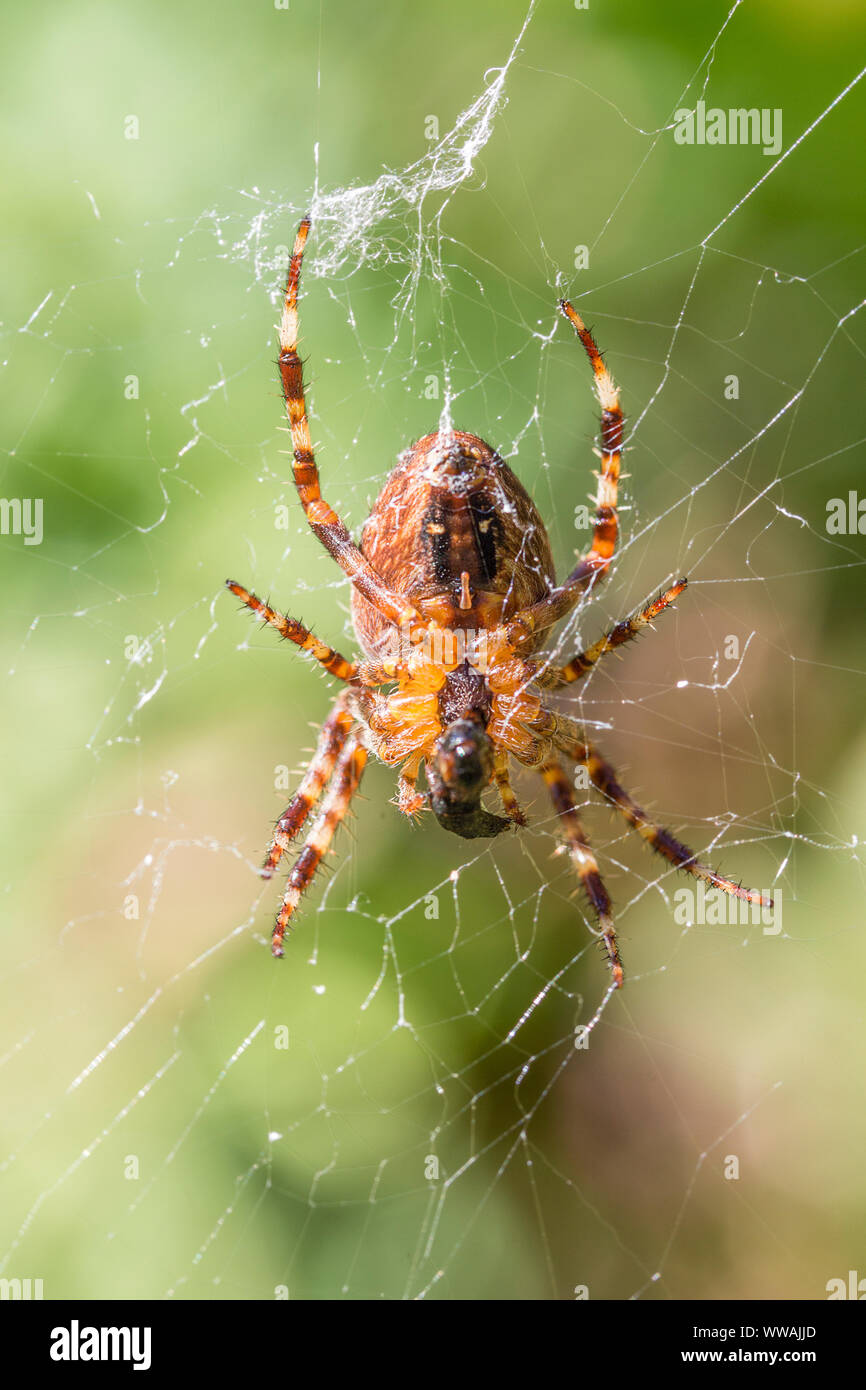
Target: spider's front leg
(332, 739)
(568, 738)
(584, 861)
(346, 780)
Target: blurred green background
(430, 1127)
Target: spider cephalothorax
(453, 595)
(459, 770)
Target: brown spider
(453, 590)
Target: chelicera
(453, 595)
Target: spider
(453, 592)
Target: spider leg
(323, 520)
(410, 801)
(293, 631)
(605, 532)
(332, 738)
(594, 565)
(503, 783)
(662, 841)
(582, 664)
(346, 779)
(583, 861)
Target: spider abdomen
(456, 532)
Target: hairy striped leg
(369, 673)
(584, 861)
(344, 784)
(606, 529)
(323, 520)
(506, 793)
(629, 628)
(293, 631)
(603, 776)
(410, 801)
(596, 562)
(332, 738)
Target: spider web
(436, 1094)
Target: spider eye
(468, 762)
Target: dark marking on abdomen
(462, 534)
(486, 529)
(437, 541)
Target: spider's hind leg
(323, 520)
(595, 563)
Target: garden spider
(453, 591)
